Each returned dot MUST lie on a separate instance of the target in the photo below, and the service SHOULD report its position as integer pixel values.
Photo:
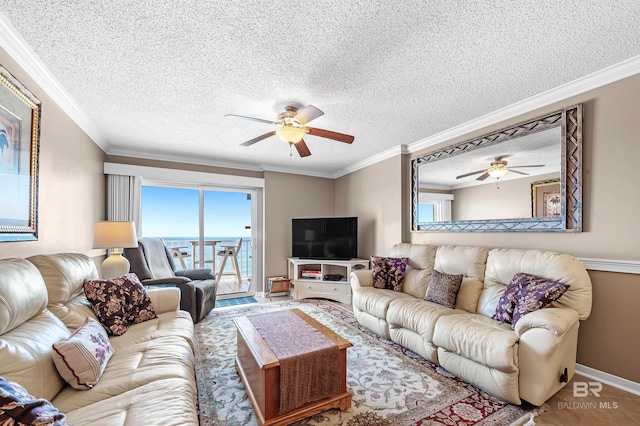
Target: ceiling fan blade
(307, 114)
(340, 137)
(484, 176)
(302, 148)
(520, 173)
(244, 117)
(258, 139)
(470, 174)
(517, 167)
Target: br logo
(583, 389)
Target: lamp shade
(112, 234)
(290, 134)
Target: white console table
(339, 291)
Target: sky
(173, 213)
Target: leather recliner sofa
(150, 377)
(527, 362)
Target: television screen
(325, 238)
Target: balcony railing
(184, 258)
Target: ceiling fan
(292, 126)
(498, 168)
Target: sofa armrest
(556, 320)
(361, 278)
(167, 280)
(197, 274)
(164, 299)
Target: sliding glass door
(206, 227)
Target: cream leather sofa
(524, 363)
(150, 378)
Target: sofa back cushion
(22, 293)
(418, 273)
(27, 330)
(471, 263)
(64, 276)
(503, 264)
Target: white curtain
(123, 199)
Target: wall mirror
(525, 178)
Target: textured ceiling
(157, 77)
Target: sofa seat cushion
(480, 339)
(417, 315)
(165, 402)
(173, 324)
(375, 301)
(132, 367)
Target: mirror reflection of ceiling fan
(292, 127)
(498, 168)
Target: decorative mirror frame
(20, 118)
(570, 220)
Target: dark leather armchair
(152, 262)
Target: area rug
(389, 384)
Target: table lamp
(115, 235)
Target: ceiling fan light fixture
(291, 134)
(497, 172)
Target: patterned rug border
(495, 411)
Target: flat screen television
(325, 238)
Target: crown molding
(619, 71)
(384, 155)
(13, 43)
(225, 165)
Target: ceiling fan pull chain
(290, 151)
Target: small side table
(278, 285)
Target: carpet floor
(389, 384)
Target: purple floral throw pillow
(17, 407)
(388, 272)
(507, 302)
(538, 294)
(527, 293)
(443, 289)
(119, 302)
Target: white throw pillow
(82, 357)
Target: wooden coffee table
(259, 369)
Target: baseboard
(609, 379)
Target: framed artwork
(545, 198)
(19, 149)
(551, 204)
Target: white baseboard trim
(609, 379)
(612, 265)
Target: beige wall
(71, 185)
(290, 196)
(374, 195)
(608, 340)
